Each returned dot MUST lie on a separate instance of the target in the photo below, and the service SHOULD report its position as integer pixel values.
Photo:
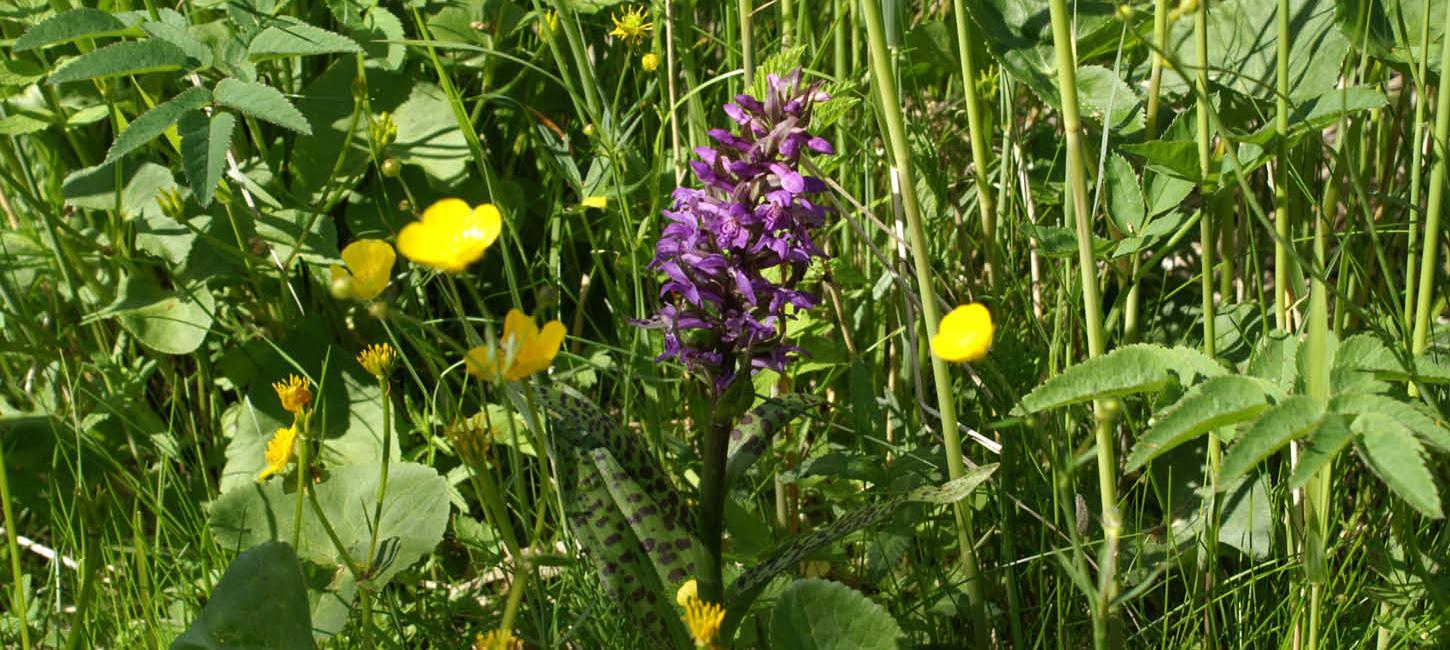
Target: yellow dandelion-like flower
(294, 392)
(634, 26)
(378, 359)
(687, 592)
(704, 621)
(450, 235)
(369, 267)
(523, 350)
(964, 334)
(279, 452)
(598, 202)
(650, 62)
(497, 640)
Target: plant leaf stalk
(13, 548)
(981, 152)
(1207, 242)
(1417, 166)
(884, 82)
(1430, 247)
(1282, 224)
(1103, 610)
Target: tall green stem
(1282, 225)
(367, 613)
(747, 47)
(1417, 170)
(884, 82)
(1062, 37)
(981, 153)
(1207, 241)
(13, 547)
(1429, 250)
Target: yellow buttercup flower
(497, 640)
(964, 334)
(294, 393)
(523, 350)
(598, 202)
(451, 235)
(369, 267)
(633, 26)
(687, 592)
(650, 62)
(378, 359)
(704, 621)
(279, 452)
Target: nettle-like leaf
(1366, 353)
(262, 102)
(749, 584)
(1415, 417)
(295, 38)
(204, 143)
(1215, 403)
(70, 26)
(816, 614)
(120, 59)
(1328, 438)
(753, 432)
(154, 122)
(1127, 370)
(1292, 418)
(1393, 452)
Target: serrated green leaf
(260, 602)
(70, 26)
(1415, 417)
(204, 144)
(816, 614)
(1393, 452)
(1274, 359)
(1330, 437)
(201, 56)
(1127, 370)
(119, 59)
(284, 39)
(21, 124)
(262, 102)
(154, 122)
(1125, 196)
(1287, 420)
(1218, 402)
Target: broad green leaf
(154, 122)
(1127, 370)
(94, 188)
(1125, 196)
(379, 27)
(1164, 192)
(1215, 403)
(415, 512)
(294, 38)
(1274, 360)
(262, 102)
(745, 588)
(204, 144)
(70, 26)
(260, 602)
(1326, 441)
(119, 59)
(1367, 353)
(1245, 519)
(1290, 419)
(1428, 426)
(753, 432)
(171, 322)
(1242, 49)
(1392, 451)
(1390, 29)
(177, 34)
(21, 124)
(1171, 158)
(816, 614)
(1314, 114)
(1105, 97)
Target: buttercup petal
(371, 263)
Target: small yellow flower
(633, 26)
(294, 393)
(451, 235)
(650, 62)
(704, 621)
(551, 20)
(279, 452)
(523, 350)
(369, 267)
(687, 592)
(964, 334)
(378, 359)
(598, 202)
(497, 640)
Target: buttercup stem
(13, 547)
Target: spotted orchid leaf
(753, 432)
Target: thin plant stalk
(1133, 304)
(1430, 247)
(884, 82)
(1417, 162)
(1103, 610)
(981, 153)
(1208, 237)
(747, 48)
(13, 548)
(367, 614)
(1316, 497)
(1282, 224)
